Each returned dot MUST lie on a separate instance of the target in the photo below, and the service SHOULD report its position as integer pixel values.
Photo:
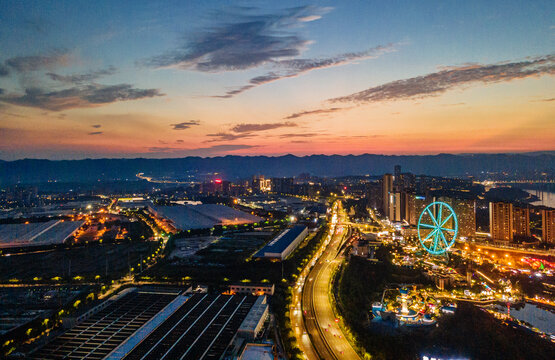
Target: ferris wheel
(437, 227)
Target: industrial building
(185, 217)
(257, 352)
(252, 288)
(108, 326)
(284, 244)
(254, 321)
(160, 324)
(37, 234)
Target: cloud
(242, 41)
(82, 78)
(78, 97)
(245, 131)
(248, 128)
(39, 62)
(179, 141)
(313, 112)
(225, 136)
(203, 151)
(185, 125)
(439, 82)
(4, 71)
(96, 126)
(96, 133)
(299, 134)
(296, 67)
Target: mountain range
(234, 167)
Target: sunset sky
(93, 79)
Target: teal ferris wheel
(437, 228)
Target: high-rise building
(548, 225)
(420, 203)
(282, 185)
(374, 195)
(387, 189)
(409, 208)
(501, 221)
(395, 211)
(521, 221)
(397, 179)
(466, 215)
(260, 184)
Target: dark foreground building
(155, 324)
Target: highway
(321, 336)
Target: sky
(127, 79)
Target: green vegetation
(469, 333)
(282, 297)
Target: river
(538, 317)
(547, 198)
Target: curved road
(323, 339)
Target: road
(324, 338)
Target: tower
(387, 189)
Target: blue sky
(99, 72)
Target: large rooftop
(282, 241)
(202, 328)
(100, 334)
(203, 216)
(37, 234)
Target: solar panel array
(97, 336)
(202, 328)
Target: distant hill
(233, 167)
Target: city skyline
(141, 79)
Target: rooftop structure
(184, 217)
(202, 328)
(254, 321)
(37, 234)
(257, 352)
(252, 288)
(284, 244)
(103, 331)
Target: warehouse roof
(282, 241)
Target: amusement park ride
(437, 232)
(437, 228)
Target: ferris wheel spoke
(444, 240)
(438, 220)
(435, 241)
(446, 219)
(432, 216)
(428, 226)
(446, 229)
(430, 234)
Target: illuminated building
(501, 221)
(387, 189)
(408, 203)
(374, 196)
(521, 222)
(252, 288)
(548, 225)
(466, 215)
(283, 244)
(282, 185)
(420, 204)
(260, 184)
(395, 209)
(397, 180)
